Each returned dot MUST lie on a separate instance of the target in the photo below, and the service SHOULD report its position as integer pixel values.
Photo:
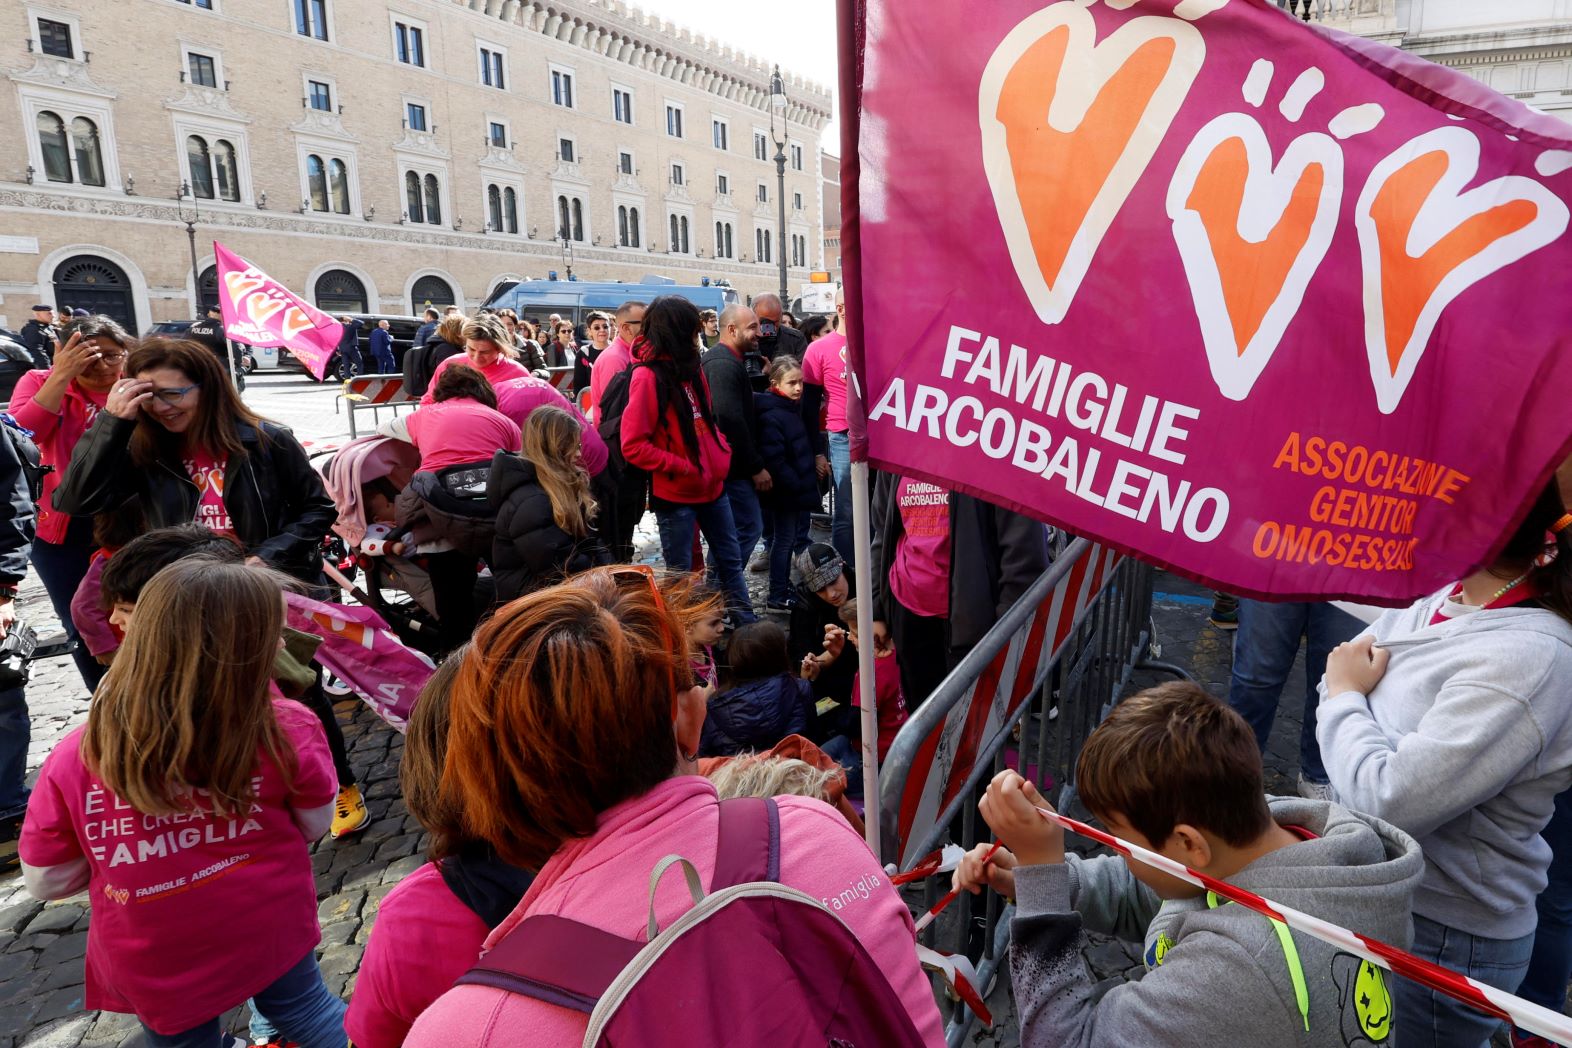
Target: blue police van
(536, 300)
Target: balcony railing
(1340, 11)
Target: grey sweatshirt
(1219, 975)
(1464, 744)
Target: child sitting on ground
(889, 703)
(1179, 773)
(709, 626)
(763, 701)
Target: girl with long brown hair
(175, 436)
(545, 512)
(185, 806)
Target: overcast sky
(799, 34)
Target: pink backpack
(754, 963)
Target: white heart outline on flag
(1096, 61)
(1433, 222)
(1267, 194)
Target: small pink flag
(361, 650)
(260, 311)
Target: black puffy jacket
(530, 551)
(276, 501)
(787, 453)
(756, 715)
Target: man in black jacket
(39, 335)
(731, 394)
(775, 337)
(17, 517)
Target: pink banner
(1265, 303)
(362, 651)
(260, 311)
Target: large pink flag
(260, 311)
(1266, 303)
(362, 651)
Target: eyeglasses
(175, 394)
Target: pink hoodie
(603, 881)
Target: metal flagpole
(862, 541)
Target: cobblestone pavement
(42, 946)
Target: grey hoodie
(1464, 744)
(1219, 975)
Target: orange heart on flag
(1069, 124)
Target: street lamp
(778, 107)
(191, 221)
(567, 252)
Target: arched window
(89, 154)
(96, 285)
(227, 170)
(431, 291)
(510, 209)
(338, 291)
(207, 289)
(622, 226)
(316, 180)
(417, 212)
(730, 253)
(433, 201)
(671, 238)
(563, 228)
(578, 219)
(633, 227)
(683, 226)
(758, 245)
(720, 241)
(52, 140)
(338, 178)
(201, 165)
(494, 206)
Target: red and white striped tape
(1525, 1015)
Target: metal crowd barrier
(1055, 664)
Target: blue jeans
(748, 517)
(1265, 646)
(297, 1005)
(16, 731)
(676, 524)
(1426, 1019)
(789, 528)
(1550, 968)
(841, 520)
(60, 567)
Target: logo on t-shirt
(208, 476)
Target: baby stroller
(364, 478)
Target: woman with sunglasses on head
(58, 405)
(572, 741)
(487, 349)
(174, 435)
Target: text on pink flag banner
(1253, 299)
(361, 650)
(260, 311)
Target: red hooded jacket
(655, 444)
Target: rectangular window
(491, 72)
(203, 71)
(673, 120)
(796, 201)
(761, 146)
(723, 185)
(622, 105)
(414, 116)
(625, 162)
(562, 88)
(204, 4)
(54, 38)
(311, 18)
(410, 41)
(677, 174)
(320, 96)
(721, 134)
(497, 135)
(565, 150)
(764, 193)
(796, 157)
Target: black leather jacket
(276, 501)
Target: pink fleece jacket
(603, 882)
(56, 434)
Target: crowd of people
(590, 716)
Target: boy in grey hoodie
(1176, 771)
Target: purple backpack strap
(563, 962)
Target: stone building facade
(383, 154)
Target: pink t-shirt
(424, 939)
(617, 357)
(191, 915)
(497, 372)
(825, 365)
(889, 702)
(458, 431)
(207, 473)
(920, 574)
(603, 881)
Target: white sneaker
(1315, 791)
